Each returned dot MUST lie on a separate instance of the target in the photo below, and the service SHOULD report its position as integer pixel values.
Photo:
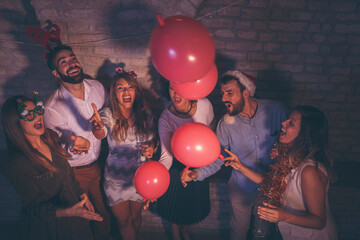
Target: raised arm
(97, 124)
(236, 164)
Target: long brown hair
(313, 139)
(142, 123)
(16, 141)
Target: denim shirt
(250, 139)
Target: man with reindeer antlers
(68, 111)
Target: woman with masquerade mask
(54, 205)
(296, 188)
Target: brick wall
(301, 51)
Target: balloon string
(221, 156)
(160, 20)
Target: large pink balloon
(151, 180)
(181, 49)
(195, 145)
(198, 89)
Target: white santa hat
(243, 79)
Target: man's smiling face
(68, 68)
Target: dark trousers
(89, 179)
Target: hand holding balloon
(188, 175)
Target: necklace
(183, 113)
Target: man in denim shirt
(249, 129)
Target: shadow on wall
(275, 84)
(36, 74)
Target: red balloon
(151, 180)
(195, 145)
(198, 89)
(181, 49)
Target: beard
(72, 79)
(237, 107)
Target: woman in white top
(128, 127)
(182, 206)
(297, 185)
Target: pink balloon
(198, 89)
(181, 49)
(151, 180)
(195, 145)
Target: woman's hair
(142, 119)
(16, 141)
(313, 139)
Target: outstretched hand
(188, 175)
(80, 145)
(233, 161)
(96, 119)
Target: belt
(85, 166)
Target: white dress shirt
(69, 116)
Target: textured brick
(218, 22)
(275, 57)
(258, 3)
(256, 56)
(243, 25)
(301, 15)
(244, 46)
(287, 26)
(340, 70)
(250, 35)
(310, 78)
(288, 4)
(335, 97)
(353, 60)
(318, 5)
(271, 47)
(289, 37)
(224, 33)
(288, 48)
(308, 47)
(343, 5)
(266, 37)
(313, 69)
(348, 17)
(347, 28)
(255, 13)
(289, 67)
(314, 59)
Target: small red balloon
(195, 145)
(181, 49)
(198, 89)
(151, 180)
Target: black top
(41, 194)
